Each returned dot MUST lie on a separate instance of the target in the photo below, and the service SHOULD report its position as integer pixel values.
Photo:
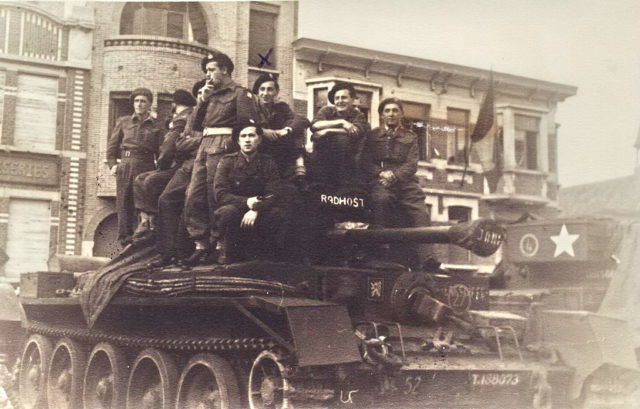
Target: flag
(486, 139)
(486, 116)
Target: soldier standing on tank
(337, 132)
(222, 104)
(135, 141)
(246, 188)
(389, 162)
(148, 186)
(284, 132)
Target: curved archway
(181, 20)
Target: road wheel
(152, 381)
(208, 381)
(268, 386)
(105, 380)
(66, 370)
(33, 372)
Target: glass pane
(320, 99)
(175, 25)
(262, 39)
(153, 22)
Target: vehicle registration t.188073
(491, 379)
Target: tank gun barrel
(483, 236)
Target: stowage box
(45, 284)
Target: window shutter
(28, 236)
(36, 112)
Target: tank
(575, 280)
(357, 332)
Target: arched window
(183, 20)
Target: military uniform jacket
(353, 115)
(387, 149)
(168, 150)
(237, 179)
(132, 134)
(226, 107)
(278, 117)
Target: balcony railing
(157, 42)
(441, 139)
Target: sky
(594, 45)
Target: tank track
(219, 345)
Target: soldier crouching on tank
(135, 141)
(249, 212)
(283, 131)
(148, 186)
(221, 105)
(337, 132)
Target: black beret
(221, 59)
(145, 92)
(238, 128)
(206, 60)
(339, 86)
(182, 97)
(390, 100)
(197, 86)
(266, 77)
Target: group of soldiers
(227, 171)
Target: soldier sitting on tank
(148, 186)
(135, 141)
(337, 132)
(250, 215)
(283, 131)
(389, 162)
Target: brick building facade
(45, 67)
(159, 46)
(442, 102)
(67, 72)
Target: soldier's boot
(201, 254)
(145, 226)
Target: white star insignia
(564, 242)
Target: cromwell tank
(358, 333)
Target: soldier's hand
(252, 201)
(249, 219)
(318, 134)
(113, 169)
(205, 92)
(271, 135)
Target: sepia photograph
(320, 204)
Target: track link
(219, 345)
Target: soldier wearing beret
(135, 141)
(389, 161)
(221, 104)
(149, 186)
(246, 189)
(337, 132)
(283, 131)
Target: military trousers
(333, 160)
(265, 240)
(407, 197)
(148, 187)
(172, 237)
(200, 201)
(126, 172)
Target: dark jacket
(395, 150)
(353, 115)
(237, 179)
(225, 107)
(132, 134)
(285, 150)
(168, 150)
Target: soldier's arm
(368, 165)
(189, 139)
(274, 189)
(324, 119)
(409, 168)
(360, 122)
(223, 187)
(113, 146)
(245, 106)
